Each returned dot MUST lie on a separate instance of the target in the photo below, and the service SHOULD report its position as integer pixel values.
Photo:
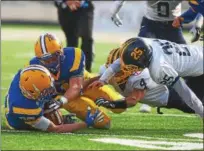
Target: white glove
(116, 19)
(117, 5)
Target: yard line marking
(194, 135)
(164, 145)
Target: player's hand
(91, 118)
(177, 22)
(53, 105)
(96, 84)
(195, 31)
(105, 103)
(73, 4)
(69, 118)
(116, 19)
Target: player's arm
(186, 17)
(188, 96)
(123, 103)
(45, 124)
(75, 88)
(107, 75)
(115, 10)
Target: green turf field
(129, 131)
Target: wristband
(63, 100)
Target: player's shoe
(145, 108)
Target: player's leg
(85, 26)
(68, 23)
(147, 28)
(79, 107)
(196, 84)
(174, 35)
(176, 102)
(104, 92)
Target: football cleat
(37, 83)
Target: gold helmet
(37, 83)
(48, 49)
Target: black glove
(53, 105)
(103, 102)
(69, 118)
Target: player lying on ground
(67, 67)
(30, 89)
(139, 87)
(166, 62)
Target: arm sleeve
(80, 71)
(60, 4)
(188, 96)
(42, 124)
(110, 71)
(189, 15)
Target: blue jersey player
(65, 64)
(67, 67)
(30, 89)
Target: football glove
(91, 118)
(116, 19)
(104, 103)
(69, 118)
(195, 31)
(54, 105)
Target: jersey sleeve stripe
(18, 110)
(77, 59)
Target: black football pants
(79, 24)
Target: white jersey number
(163, 9)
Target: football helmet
(36, 83)
(135, 55)
(48, 49)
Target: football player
(140, 84)
(67, 67)
(167, 62)
(30, 89)
(196, 11)
(157, 23)
(196, 6)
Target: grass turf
(14, 54)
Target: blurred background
(45, 13)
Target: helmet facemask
(52, 62)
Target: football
(55, 116)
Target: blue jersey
(21, 111)
(196, 6)
(71, 66)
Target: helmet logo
(51, 37)
(136, 54)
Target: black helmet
(136, 54)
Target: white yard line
(153, 144)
